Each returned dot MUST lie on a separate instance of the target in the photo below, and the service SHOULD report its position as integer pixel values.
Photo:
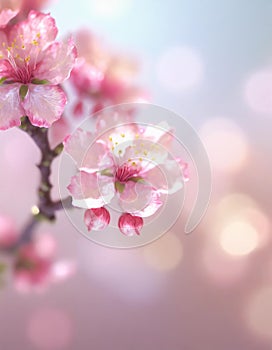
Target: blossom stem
(46, 207)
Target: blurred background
(211, 62)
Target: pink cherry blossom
(8, 232)
(97, 219)
(130, 225)
(32, 65)
(31, 269)
(128, 162)
(8, 10)
(103, 76)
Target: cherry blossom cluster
(34, 265)
(127, 162)
(47, 86)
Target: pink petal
(140, 199)
(85, 151)
(167, 178)
(6, 15)
(8, 232)
(91, 191)
(57, 63)
(130, 225)
(44, 104)
(4, 44)
(38, 26)
(86, 78)
(6, 69)
(10, 107)
(96, 219)
(58, 132)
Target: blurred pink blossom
(32, 65)
(36, 267)
(8, 10)
(31, 269)
(8, 232)
(102, 76)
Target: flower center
(125, 172)
(22, 57)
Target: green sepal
(23, 91)
(137, 179)
(119, 187)
(2, 80)
(106, 172)
(39, 82)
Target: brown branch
(46, 207)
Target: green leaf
(119, 187)
(23, 91)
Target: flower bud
(8, 232)
(96, 219)
(130, 225)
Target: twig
(46, 207)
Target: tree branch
(46, 207)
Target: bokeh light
(239, 238)
(50, 329)
(226, 144)
(45, 246)
(258, 91)
(180, 69)
(220, 268)
(62, 269)
(258, 312)
(164, 254)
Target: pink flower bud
(130, 225)
(8, 232)
(97, 219)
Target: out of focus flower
(27, 5)
(130, 225)
(97, 219)
(102, 76)
(35, 266)
(8, 10)
(8, 232)
(32, 65)
(128, 162)
(31, 269)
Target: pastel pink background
(211, 62)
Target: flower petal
(85, 151)
(57, 63)
(6, 15)
(44, 104)
(38, 26)
(91, 191)
(168, 177)
(58, 132)
(10, 107)
(4, 44)
(140, 199)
